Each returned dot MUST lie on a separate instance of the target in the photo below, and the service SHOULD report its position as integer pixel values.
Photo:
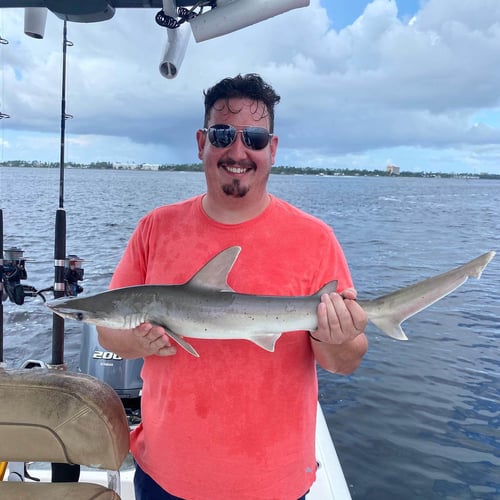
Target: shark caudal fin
(389, 311)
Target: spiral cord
(183, 14)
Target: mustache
(231, 162)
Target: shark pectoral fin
(185, 345)
(265, 340)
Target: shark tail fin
(389, 311)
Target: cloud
(393, 84)
(379, 83)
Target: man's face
(237, 171)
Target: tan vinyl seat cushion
(56, 416)
(55, 491)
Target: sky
(363, 84)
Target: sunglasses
(222, 136)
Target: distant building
(392, 170)
(150, 166)
(136, 166)
(123, 166)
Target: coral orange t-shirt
(237, 423)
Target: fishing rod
(3, 41)
(61, 472)
(60, 224)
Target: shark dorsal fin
(213, 274)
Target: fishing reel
(14, 270)
(73, 273)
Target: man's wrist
(314, 338)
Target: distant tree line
(281, 170)
(194, 167)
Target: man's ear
(201, 138)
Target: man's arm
(340, 343)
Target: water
(419, 419)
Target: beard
(235, 189)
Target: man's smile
(236, 167)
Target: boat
(85, 418)
(49, 415)
(105, 430)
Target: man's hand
(340, 318)
(139, 342)
(339, 343)
(153, 339)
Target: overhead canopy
(206, 19)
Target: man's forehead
(237, 105)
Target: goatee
(235, 189)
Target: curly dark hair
(250, 86)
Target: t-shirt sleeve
(131, 270)
(334, 264)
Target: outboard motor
(123, 375)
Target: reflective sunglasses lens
(221, 136)
(256, 137)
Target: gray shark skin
(207, 308)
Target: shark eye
(80, 316)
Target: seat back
(56, 416)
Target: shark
(206, 307)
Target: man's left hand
(340, 318)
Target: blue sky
(363, 84)
(344, 13)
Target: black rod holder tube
(59, 264)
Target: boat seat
(56, 416)
(55, 491)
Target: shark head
(85, 311)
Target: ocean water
(419, 419)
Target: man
(237, 423)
